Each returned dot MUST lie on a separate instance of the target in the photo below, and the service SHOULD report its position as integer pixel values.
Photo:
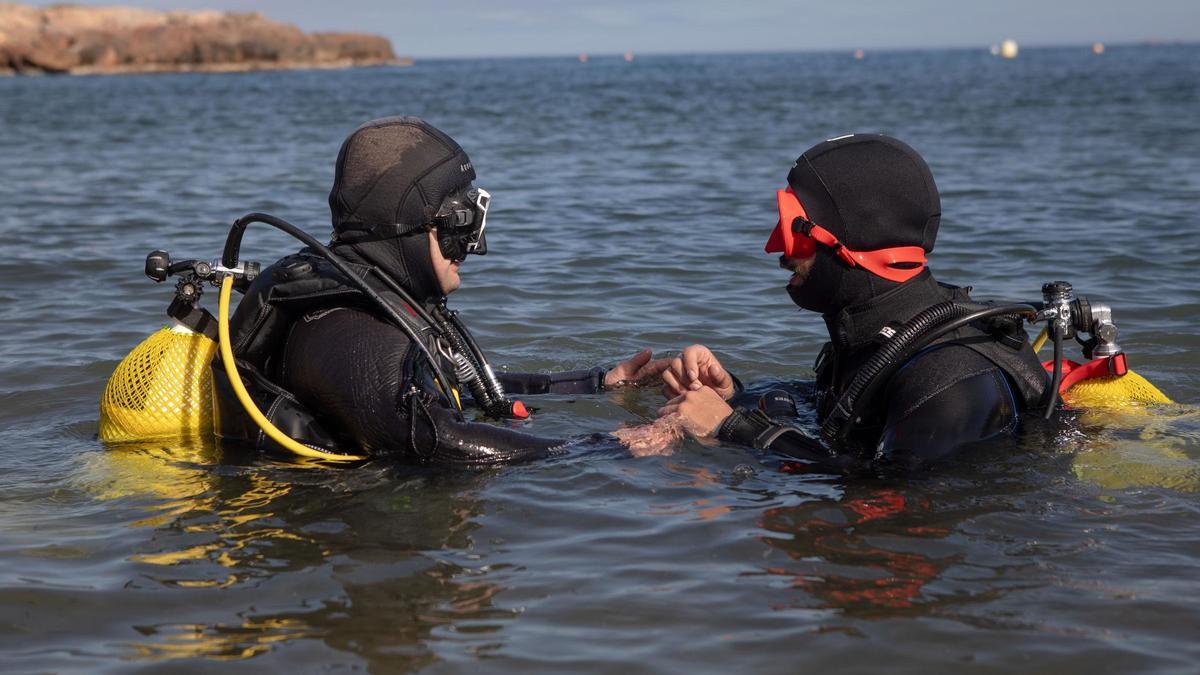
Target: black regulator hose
(486, 390)
(490, 398)
(914, 335)
(233, 245)
(1056, 379)
(469, 365)
(495, 389)
(408, 299)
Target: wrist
(599, 378)
(744, 427)
(737, 386)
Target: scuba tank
(161, 389)
(163, 386)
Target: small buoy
(1097, 47)
(1009, 49)
(583, 58)
(628, 57)
(858, 54)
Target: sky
(465, 28)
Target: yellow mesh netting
(1137, 463)
(1133, 439)
(1129, 389)
(163, 388)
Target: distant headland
(78, 40)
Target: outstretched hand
(701, 411)
(636, 369)
(697, 367)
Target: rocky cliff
(85, 40)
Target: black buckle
(805, 227)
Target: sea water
(632, 201)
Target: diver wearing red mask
(858, 217)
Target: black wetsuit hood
(872, 192)
(391, 177)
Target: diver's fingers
(696, 359)
(676, 368)
(632, 370)
(715, 372)
(672, 406)
(720, 380)
(651, 369)
(639, 359)
(692, 356)
(671, 386)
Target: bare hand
(656, 438)
(701, 411)
(695, 369)
(638, 368)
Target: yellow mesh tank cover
(162, 388)
(1129, 389)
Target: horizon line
(1145, 42)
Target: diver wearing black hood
(858, 217)
(327, 367)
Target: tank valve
(159, 267)
(1058, 296)
(1098, 323)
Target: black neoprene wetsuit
(966, 387)
(325, 368)
(358, 373)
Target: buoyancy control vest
(856, 332)
(296, 286)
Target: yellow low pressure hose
(244, 396)
(1041, 339)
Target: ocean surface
(632, 201)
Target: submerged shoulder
(951, 379)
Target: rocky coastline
(78, 40)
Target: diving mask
(460, 223)
(795, 236)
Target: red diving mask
(796, 236)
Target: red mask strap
(796, 236)
(878, 262)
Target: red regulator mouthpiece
(795, 236)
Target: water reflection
(914, 546)
(938, 544)
(1132, 447)
(385, 567)
(869, 554)
(221, 524)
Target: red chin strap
(796, 236)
